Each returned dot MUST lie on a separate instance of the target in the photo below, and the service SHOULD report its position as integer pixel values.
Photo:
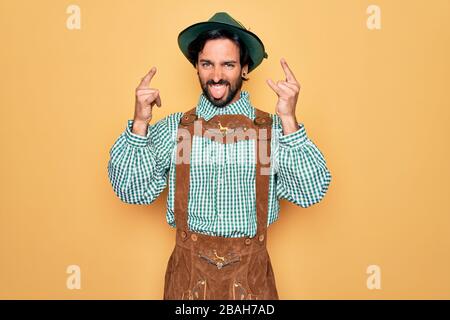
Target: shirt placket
(221, 190)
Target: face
(220, 71)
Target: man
(220, 204)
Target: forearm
(303, 177)
(136, 173)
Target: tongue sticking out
(217, 91)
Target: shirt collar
(206, 110)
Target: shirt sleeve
(301, 174)
(138, 165)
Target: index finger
(289, 74)
(145, 82)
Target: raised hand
(287, 92)
(146, 98)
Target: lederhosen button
(194, 237)
(188, 118)
(183, 234)
(248, 241)
(261, 238)
(263, 121)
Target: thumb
(273, 86)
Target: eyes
(227, 65)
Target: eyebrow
(228, 61)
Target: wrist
(289, 124)
(140, 127)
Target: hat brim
(254, 44)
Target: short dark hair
(199, 43)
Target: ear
(244, 71)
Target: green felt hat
(222, 20)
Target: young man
(228, 164)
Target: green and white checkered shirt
(222, 199)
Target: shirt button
(194, 237)
(261, 238)
(248, 241)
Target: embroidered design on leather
(198, 292)
(225, 130)
(219, 261)
(240, 293)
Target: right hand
(146, 98)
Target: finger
(145, 82)
(293, 86)
(141, 92)
(273, 86)
(158, 101)
(154, 98)
(284, 87)
(150, 100)
(289, 74)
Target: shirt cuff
(295, 138)
(135, 139)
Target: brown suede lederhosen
(212, 267)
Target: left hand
(287, 92)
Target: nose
(217, 75)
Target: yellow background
(375, 102)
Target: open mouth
(218, 90)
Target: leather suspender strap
(185, 134)
(263, 123)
